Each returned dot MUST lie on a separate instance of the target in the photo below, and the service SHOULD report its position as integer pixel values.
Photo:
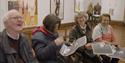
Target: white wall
(3, 10)
(68, 11)
(117, 5)
(87, 2)
(44, 9)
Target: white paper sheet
(68, 50)
(101, 48)
(119, 53)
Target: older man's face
(15, 21)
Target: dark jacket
(44, 45)
(86, 55)
(77, 32)
(6, 51)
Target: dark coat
(44, 45)
(6, 51)
(86, 55)
(77, 32)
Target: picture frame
(13, 5)
(57, 8)
(28, 9)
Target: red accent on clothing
(106, 37)
(41, 29)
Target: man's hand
(59, 41)
(88, 46)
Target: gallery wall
(107, 5)
(44, 9)
(117, 6)
(3, 10)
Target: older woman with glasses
(14, 47)
(83, 54)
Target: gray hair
(81, 14)
(8, 14)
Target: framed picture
(78, 5)
(57, 8)
(13, 5)
(29, 10)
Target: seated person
(79, 30)
(103, 32)
(14, 46)
(46, 41)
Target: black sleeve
(44, 51)
(89, 34)
(72, 35)
(2, 56)
(28, 51)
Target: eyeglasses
(17, 17)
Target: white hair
(8, 14)
(81, 13)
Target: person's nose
(20, 19)
(81, 19)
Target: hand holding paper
(68, 50)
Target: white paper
(119, 53)
(101, 48)
(68, 50)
